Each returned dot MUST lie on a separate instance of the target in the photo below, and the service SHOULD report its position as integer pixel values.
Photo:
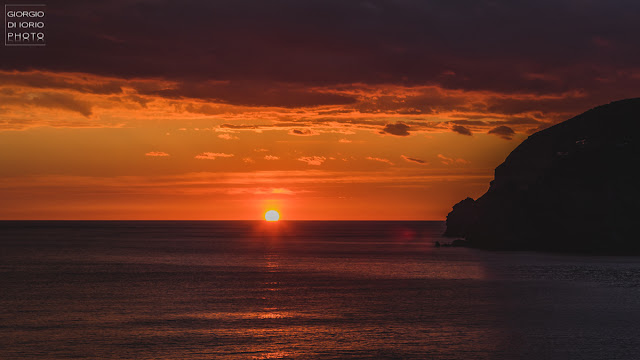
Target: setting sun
(272, 215)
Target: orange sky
(321, 109)
(71, 152)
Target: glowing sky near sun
(374, 110)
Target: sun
(272, 215)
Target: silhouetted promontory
(572, 187)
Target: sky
(322, 110)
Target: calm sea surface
(302, 290)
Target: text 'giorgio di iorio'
(25, 25)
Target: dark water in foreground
(302, 290)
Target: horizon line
(260, 220)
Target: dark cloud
(258, 49)
(410, 159)
(302, 132)
(469, 122)
(44, 80)
(461, 130)
(398, 129)
(504, 132)
(61, 101)
(139, 99)
(248, 93)
(239, 127)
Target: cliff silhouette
(572, 187)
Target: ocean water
(302, 290)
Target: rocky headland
(572, 187)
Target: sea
(302, 290)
